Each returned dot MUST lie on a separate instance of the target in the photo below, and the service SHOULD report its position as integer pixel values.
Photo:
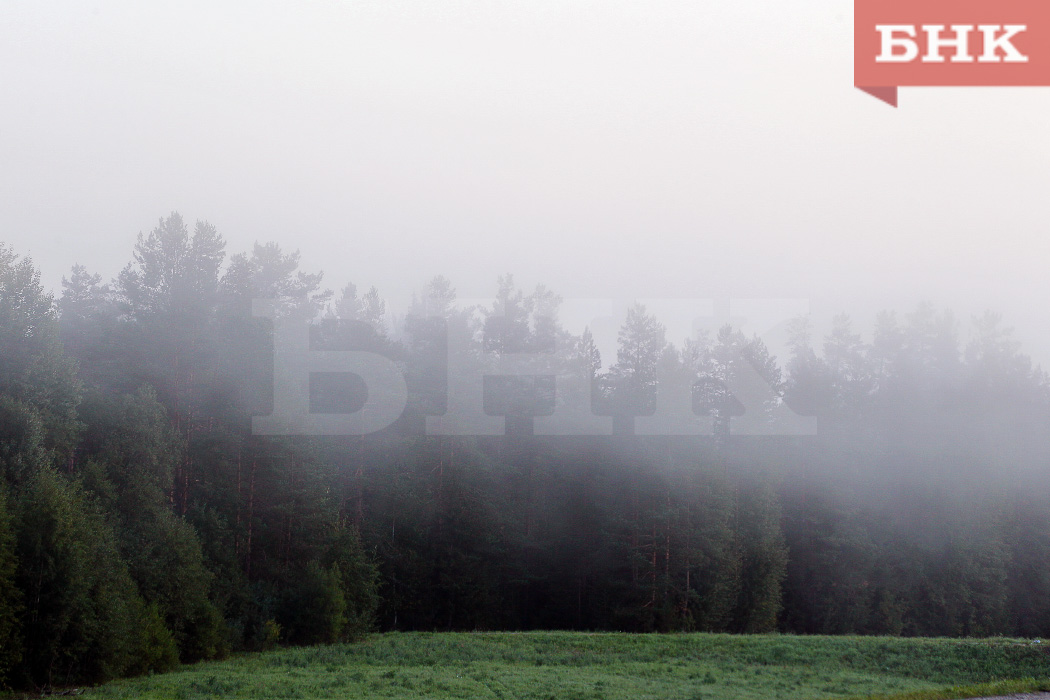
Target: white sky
(609, 149)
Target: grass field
(575, 666)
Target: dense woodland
(143, 523)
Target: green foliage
(314, 606)
(21, 439)
(33, 369)
(203, 634)
(271, 635)
(82, 610)
(159, 652)
(132, 437)
(150, 524)
(765, 558)
(168, 566)
(10, 596)
(358, 583)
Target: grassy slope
(557, 665)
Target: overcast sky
(612, 150)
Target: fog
(584, 331)
(658, 150)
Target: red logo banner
(949, 43)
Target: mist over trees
(144, 523)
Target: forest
(144, 523)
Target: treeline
(143, 522)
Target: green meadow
(581, 666)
